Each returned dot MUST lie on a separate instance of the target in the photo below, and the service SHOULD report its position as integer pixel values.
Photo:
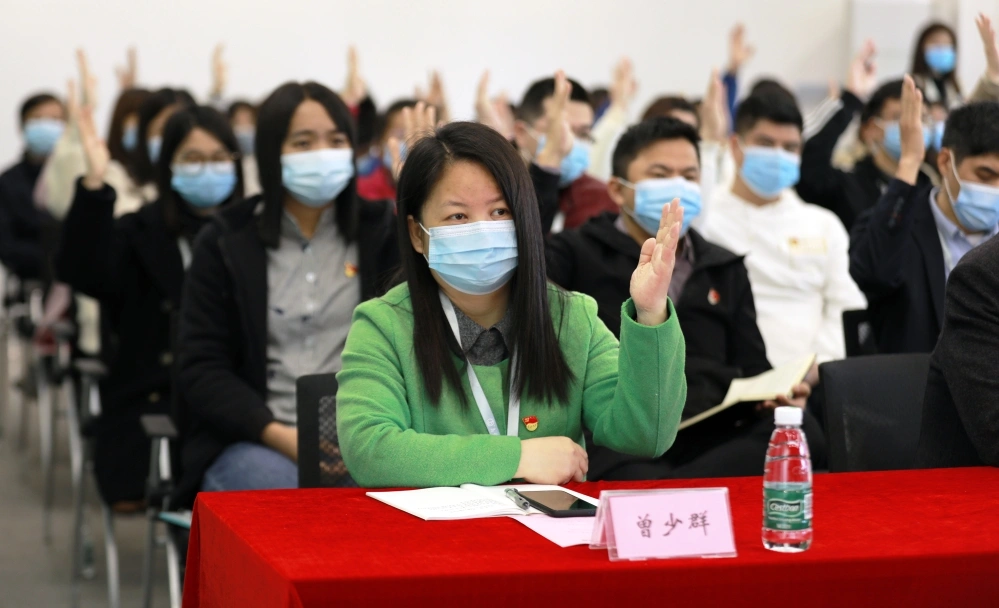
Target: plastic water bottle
(787, 486)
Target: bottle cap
(788, 416)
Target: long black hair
(145, 171)
(176, 130)
(273, 119)
(541, 369)
(129, 102)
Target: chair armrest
(91, 367)
(158, 426)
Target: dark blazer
(133, 267)
(716, 310)
(223, 328)
(960, 424)
(846, 193)
(897, 261)
(20, 221)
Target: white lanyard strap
(513, 413)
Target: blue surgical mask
(41, 135)
(977, 205)
(153, 147)
(204, 185)
(130, 138)
(893, 139)
(938, 133)
(651, 195)
(245, 137)
(368, 164)
(575, 163)
(317, 177)
(476, 258)
(941, 58)
(769, 171)
(387, 155)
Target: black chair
(858, 334)
(319, 462)
(873, 409)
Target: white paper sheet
(563, 531)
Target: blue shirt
(954, 242)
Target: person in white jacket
(796, 253)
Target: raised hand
(738, 51)
(128, 75)
(220, 72)
(650, 281)
(94, 149)
(435, 95)
(911, 128)
(558, 137)
(354, 89)
(714, 111)
(486, 112)
(418, 122)
(623, 86)
(988, 34)
(88, 83)
(863, 74)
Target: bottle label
(787, 509)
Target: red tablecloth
(912, 538)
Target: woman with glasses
(270, 294)
(135, 267)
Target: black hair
(599, 99)
(919, 65)
(770, 85)
(884, 93)
(644, 134)
(128, 103)
(145, 171)
(175, 131)
(386, 117)
(34, 101)
(240, 104)
(367, 124)
(541, 369)
(773, 105)
(664, 106)
(273, 120)
(532, 106)
(973, 130)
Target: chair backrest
(858, 333)
(319, 462)
(873, 409)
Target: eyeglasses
(196, 165)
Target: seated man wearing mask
(903, 251)
(653, 163)
(561, 172)
(796, 253)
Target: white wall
(672, 42)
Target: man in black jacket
(850, 193)
(654, 162)
(960, 424)
(902, 251)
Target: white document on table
(472, 501)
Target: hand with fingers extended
(494, 113)
(128, 75)
(552, 460)
(623, 85)
(95, 151)
(863, 74)
(911, 129)
(418, 122)
(650, 281)
(354, 89)
(434, 95)
(738, 51)
(714, 111)
(988, 34)
(88, 83)
(558, 137)
(220, 72)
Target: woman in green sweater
(477, 335)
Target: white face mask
(476, 258)
(317, 177)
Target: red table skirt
(906, 538)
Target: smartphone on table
(558, 503)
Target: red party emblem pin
(531, 422)
(713, 297)
(350, 270)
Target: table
(903, 538)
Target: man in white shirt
(796, 253)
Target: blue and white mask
(652, 195)
(769, 171)
(941, 58)
(476, 258)
(976, 206)
(317, 177)
(41, 135)
(204, 186)
(575, 163)
(893, 138)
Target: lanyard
(513, 413)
